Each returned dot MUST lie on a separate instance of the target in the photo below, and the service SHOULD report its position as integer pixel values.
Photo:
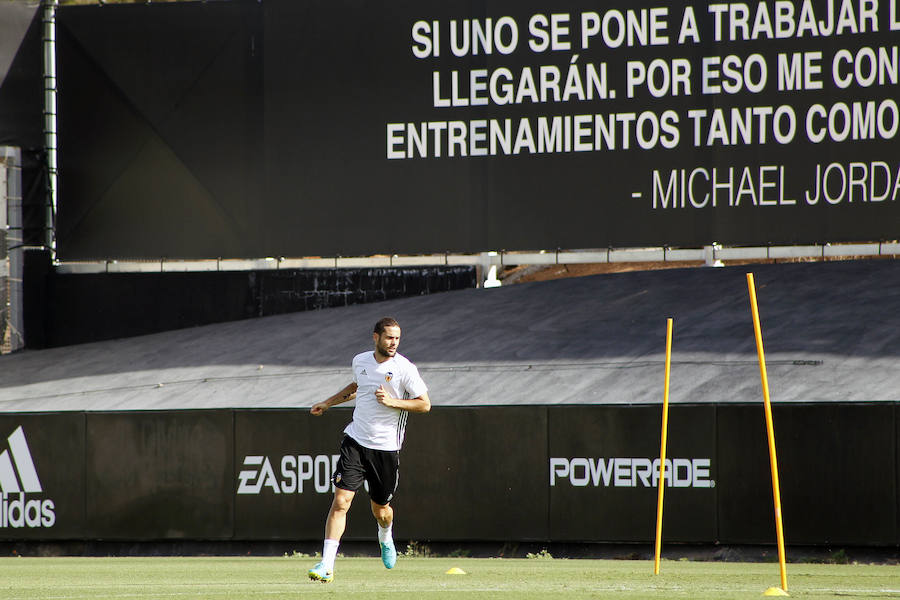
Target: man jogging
(386, 387)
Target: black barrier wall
(285, 128)
(64, 309)
(159, 475)
(44, 488)
(601, 480)
(284, 462)
(561, 473)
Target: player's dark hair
(385, 322)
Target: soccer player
(386, 387)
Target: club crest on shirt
(389, 376)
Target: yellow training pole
(662, 447)
(770, 429)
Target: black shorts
(358, 464)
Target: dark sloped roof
(831, 332)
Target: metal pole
(770, 432)
(50, 129)
(11, 220)
(662, 449)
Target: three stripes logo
(18, 477)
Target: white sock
(329, 552)
(385, 533)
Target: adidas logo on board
(19, 477)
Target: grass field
(425, 578)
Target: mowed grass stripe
(216, 578)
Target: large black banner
(21, 85)
(262, 129)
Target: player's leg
(334, 529)
(348, 477)
(384, 515)
(337, 514)
(383, 472)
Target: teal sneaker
(320, 573)
(388, 554)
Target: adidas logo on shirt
(18, 477)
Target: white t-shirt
(374, 425)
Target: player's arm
(421, 404)
(345, 395)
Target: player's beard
(385, 351)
